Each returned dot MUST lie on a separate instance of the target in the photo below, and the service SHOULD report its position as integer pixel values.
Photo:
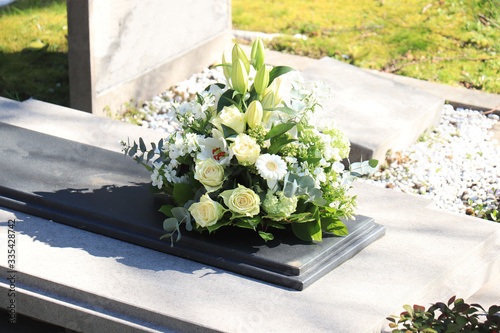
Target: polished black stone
(107, 193)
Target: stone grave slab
(104, 192)
(377, 114)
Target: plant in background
(455, 316)
(245, 155)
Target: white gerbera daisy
(271, 167)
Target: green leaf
(142, 145)
(151, 154)
(243, 224)
(133, 150)
(278, 144)
(183, 216)
(409, 309)
(333, 225)
(461, 321)
(373, 163)
(278, 71)
(166, 236)
(310, 230)
(279, 129)
(182, 193)
(170, 224)
(429, 330)
(167, 210)
(275, 224)
(217, 225)
(266, 236)
(301, 217)
(228, 132)
(226, 99)
(284, 109)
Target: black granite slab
(107, 193)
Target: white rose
(246, 149)
(210, 174)
(231, 116)
(242, 201)
(206, 212)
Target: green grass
(456, 42)
(34, 51)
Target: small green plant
(455, 316)
(487, 211)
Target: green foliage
(455, 316)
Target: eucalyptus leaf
(363, 168)
(142, 145)
(133, 150)
(151, 154)
(170, 224)
(181, 214)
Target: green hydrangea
(339, 140)
(278, 206)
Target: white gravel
(456, 164)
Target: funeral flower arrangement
(245, 155)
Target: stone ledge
(426, 256)
(376, 114)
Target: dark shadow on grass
(39, 74)
(35, 72)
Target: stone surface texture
(88, 282)
(105, 68)
(427, 255)
(71, 124)
(78, 279)
(376, 114)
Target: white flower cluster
(251, 138)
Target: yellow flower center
(272, 166)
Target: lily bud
(239, 54)
(261, 80)
(274, 89)
(257, 54)
(239, 77)
(267, 99)
(226, 69)
(254, 114)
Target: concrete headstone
(122, 50)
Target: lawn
(456, 42)
(33, 51)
